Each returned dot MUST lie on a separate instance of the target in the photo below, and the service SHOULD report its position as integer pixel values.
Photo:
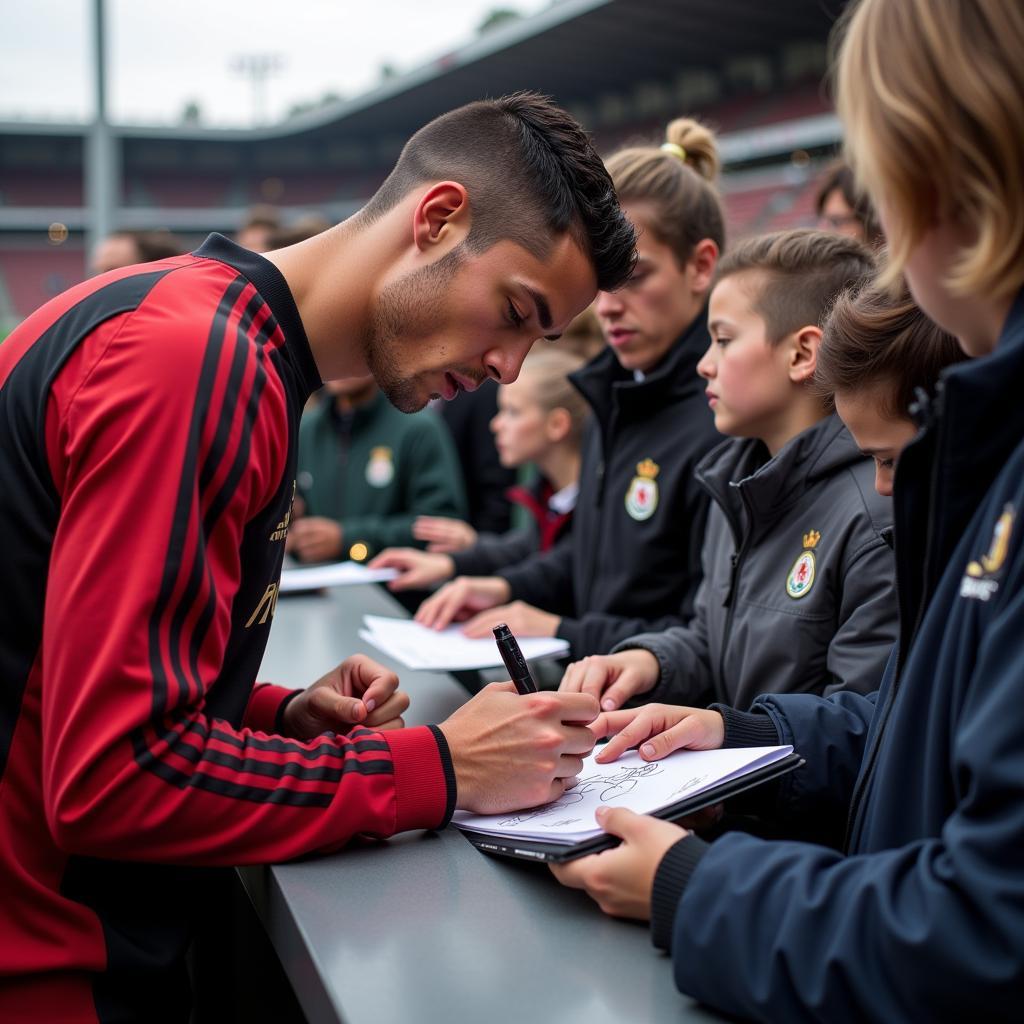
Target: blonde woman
(912, 909)
(540, 421)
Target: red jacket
(150, 419)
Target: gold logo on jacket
(801, 576)
(978, 581)
(642, 496)
(281, 530)
(267, 606)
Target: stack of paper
(336, 574)
(642, 786)
(416, 646)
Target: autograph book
(672, 788)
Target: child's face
(520, 426)
(878, 436)
(749, 387)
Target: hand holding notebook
(677, 785)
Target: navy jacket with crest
(921, 916)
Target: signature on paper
(607, 787)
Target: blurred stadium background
(753, 69)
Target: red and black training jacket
(149, 420)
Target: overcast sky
(162, 55)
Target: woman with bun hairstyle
(917, 913)
(633, 561)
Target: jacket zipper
(605, 442)
(735, 565)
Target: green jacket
(375, 470)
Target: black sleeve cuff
(465, 563)
(279, 714)
(569, 630)
(670, 881)
(747, 729)
(449, 773)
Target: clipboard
(558, 853)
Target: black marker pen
(518, 670)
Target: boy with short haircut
(798, 583)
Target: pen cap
(515, 663)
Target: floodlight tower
(258, 67)
(101, 156)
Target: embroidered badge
(642, 496)
(801, 576)
(979, 580)
(380, 470)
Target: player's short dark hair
(531, 174)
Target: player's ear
(441, 217)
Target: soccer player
(146, 479)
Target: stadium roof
(575, 50)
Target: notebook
(671, 788)
(418, 647)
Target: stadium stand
(41, 188)
(624, 67)
(31, 275)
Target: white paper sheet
(336, 574)
(642, 786)
(416, 646)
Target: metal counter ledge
(424, 927)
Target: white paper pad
(642, 786)
(416, 646)
(337, 574)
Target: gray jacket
(798, 591)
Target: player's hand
(357, 692)
(461, 598)
(612, 678)
(417, 569)
(620, 880)
(522, 618)
(444, 535)
(315, 539)
(658, 729)
(511, 751)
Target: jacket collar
(980, 401)
(968, 432)
(356, 419)
(739, 474)
(606, 385)
(271, 285)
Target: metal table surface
(425, 927)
